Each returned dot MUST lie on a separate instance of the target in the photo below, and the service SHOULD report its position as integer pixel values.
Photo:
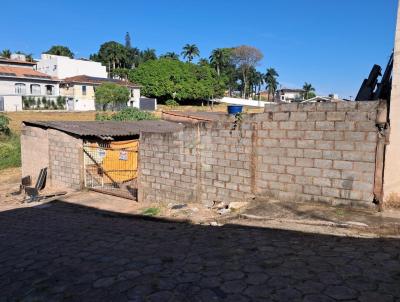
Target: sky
(332, 44)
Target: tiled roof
(6, 60)
(23, 72)
(108, 129)
(84, 79)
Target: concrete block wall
(34, 151)
(304, 152)
(65, 160)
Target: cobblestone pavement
(67, 253)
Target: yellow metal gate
(111, 167)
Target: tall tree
(271, 81)
(60, 50)
(113, 55)
(148, 54)
(190, 51)
(170, 55)
(219, 58)
(204, 62)
(308, 90)
(6, 53)
(245, 57)
(128, 40)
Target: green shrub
(151, 212)
(172, 103)
(10, 152)
(4, 125)
(127, 114)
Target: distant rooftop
(16, 62)
(23, 72)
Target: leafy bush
(10, 152)
(151, 212)
(128, 114)
(172, 103)
(4, 122)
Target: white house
(288, 95)
(18, 79)
(80, 91)
(65, 67)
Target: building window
(83, 90)
(132, 94)
(20, 88)
(49, 90)
(35, 89)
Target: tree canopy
(309, 91)
(60, 50)
(190, 51)
(171, 79)
(110, 93)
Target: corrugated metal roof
(108, 129)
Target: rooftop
(19, 62)
(23, 72)
(109, 129)
(84, 79)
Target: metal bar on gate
(101, 168)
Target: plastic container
(235, 109)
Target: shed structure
(97, 155)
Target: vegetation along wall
(324, 152)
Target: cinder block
(314, 172)
(287, 125)
(331, 192)
(366, 126)
(336, 116)
(322, 182)
(295, 134)
(326, 106)
(306, 144)
(333, 135)
(281, 116)
(294, 170)
(312, 153)
(330, 173)
(304, 180)
(306, 126)
(295, 152)
(344, 146)
(312, 190)
(316, 116)
(298, 116)
(342, 165)
(304, 162)
(287, 143)
(324, 145)
(277, 133)
(323, 163)
(357, 116)
(287, 161)
(325, 125)
(335, 155)
(270, 125)
(315, 135)
(364, 167)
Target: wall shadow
(65, 252)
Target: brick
(344, 146)
(295, 152)
(336, 116)
(304, 162)
(342, 165)
(330, 173)
(312, 153)
(324, 145)
(305, 125)
(325, 125)
(357, 116)
(313, 190)
(287, 143)
(306, 144)
(326, 106)
(316, 135)
(294, 170)
(315, 172)
(281, 116)
(354, 136)
(287, 125)
(327, 154)
(322, 182)
(298, 116)
(333, 135)
(316, 116)
(323, 163)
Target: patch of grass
(151, 212)
(10, 151)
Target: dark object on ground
(33, 192)
(371, 89)
(179, 206)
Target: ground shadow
(64, 252)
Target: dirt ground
(10, 176)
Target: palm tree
(308, 90)
(148, 54)
(271, 81)
(203, 62)
(170, 55)
(190, 51)
(6, 53)
(219, 58)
